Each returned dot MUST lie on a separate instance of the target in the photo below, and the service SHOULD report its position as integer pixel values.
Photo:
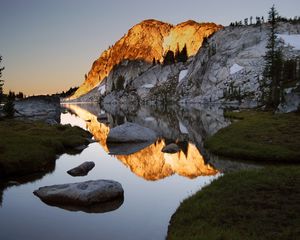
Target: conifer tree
(177, 53)
(1, 81)
(9, 107)
(183, 55)
(273, 59)
(120, 83)
(169, 58)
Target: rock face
(39, 108)
(81, 170)
(145, 41)
(231, 64)
(131, 132)
(81, 194)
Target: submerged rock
(78, 195)
(171, 148)
(81, 170)
(131, 132)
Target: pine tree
(169, 58)
(273, 59)
(177, 53)
(120, 83)
(9, 107)
(1, 81)
(183, 55)
(153, 62)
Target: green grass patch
(28, 147)
(249, 205)
(259, 136)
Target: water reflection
(16, 181)
(147, 160)
(95, 208)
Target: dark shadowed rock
(82, 170)
(82, 194)
(131, 132)
(171, 148)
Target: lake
(154, 183)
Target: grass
(29, 147)
(259, 136)
(249, 205)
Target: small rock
(171, 148)
(82, 170)
(131, 132)
(81, 194)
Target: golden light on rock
(150, 163)
(145, 41)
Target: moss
(28, 147)
(259, 136)
(256, 204)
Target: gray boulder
(171, 148)
(81, 194)
(81, 170)
(131, 132)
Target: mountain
(145, 41)
(229, 67)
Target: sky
(49, 45)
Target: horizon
(48, 47)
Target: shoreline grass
(259, 136)
(28, 147)
(252, 204)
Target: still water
(154, 183)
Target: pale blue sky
(48, 46)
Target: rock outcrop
(81, 194)
(131, 132)
(146, 41)
(41, 108)
(81, 170)
(229, 67)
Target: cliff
(145, 41)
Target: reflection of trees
(15, 181)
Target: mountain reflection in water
(149, 162)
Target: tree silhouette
(169, 58)
(183, 55)
(9, 107)
(120, 83)
(1, 81)
(273, 59)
